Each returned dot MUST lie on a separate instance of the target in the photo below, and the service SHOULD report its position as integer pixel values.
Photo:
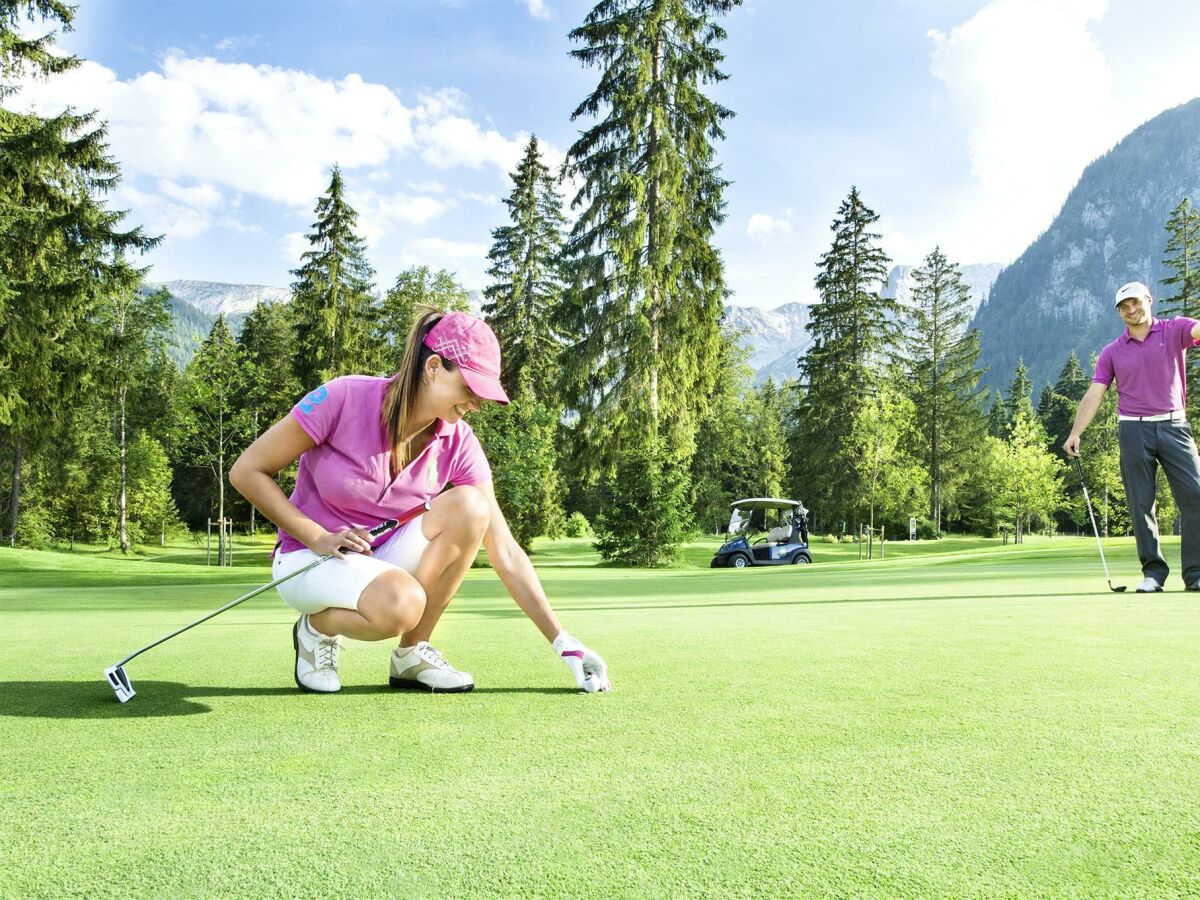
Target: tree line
(634, 413)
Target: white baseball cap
(1132, 289)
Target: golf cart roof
(765, 503)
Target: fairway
(960, 718)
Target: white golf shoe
(422, 668)
(1149, 586)
(316, 659)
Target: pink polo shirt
(1149, 373)
(346, 478)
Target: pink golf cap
(471, 345)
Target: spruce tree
(647, 283)
(1183, 260)
(1057, 405)
(527, 280)
(941, 356)
(1072, 381)
(21, 54)
(1018, 400)
(332, 301)
(853, 331)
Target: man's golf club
(1096, 531)
(118, 680)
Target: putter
(118, 679)
(1096, 531)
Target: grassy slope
(984, 721)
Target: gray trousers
(1145, 446)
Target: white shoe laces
(431, 656)
(327, 652)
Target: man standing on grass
(1148, 364)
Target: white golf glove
(591, 674)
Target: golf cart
(765, 531)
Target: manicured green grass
(960, 718)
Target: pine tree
(647, 283)
(332, 304)
(1183, 260)
(527, 282)
(853, 332)
(942, 355)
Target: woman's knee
(393, 602)
(467, 507)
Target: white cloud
(237, 42)
(483, 199)
(539, 10)
(261, 130)
(439, 248)
(161, 215)
(1034, 92)
(764, 227)
(291, 245)
(200, 196)
(198, 130)
(456, 141)
(379, 213)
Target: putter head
(1120, 588)
(119, 682)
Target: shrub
(830, 539)
(926, 531)
(577, 526)
(33, 527)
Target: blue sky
(964, 124)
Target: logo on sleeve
(313, 400)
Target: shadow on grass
(154, 699)
(567, 606)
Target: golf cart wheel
(800, 560)
(739, 560)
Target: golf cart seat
(779, 535)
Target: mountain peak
(218, 298)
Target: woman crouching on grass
(371, 449)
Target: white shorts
(340, 582)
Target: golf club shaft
(1092, 515)
(374, 532)
(230, 605)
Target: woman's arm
(254, 477)
(515, 570)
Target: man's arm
(1088, 407)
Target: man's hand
(1071, 445)
(591, 674)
